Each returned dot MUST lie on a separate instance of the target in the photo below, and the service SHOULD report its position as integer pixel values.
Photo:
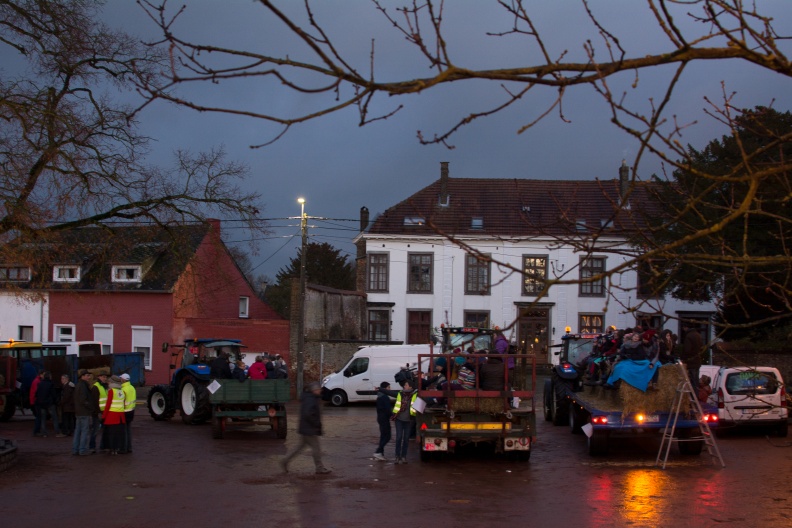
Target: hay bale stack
(101, 371)
(660, 399)
(485, 405)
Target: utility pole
(301, 319)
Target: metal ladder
(685, 392)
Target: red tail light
(423, 427)
(720, 399)
(599, 419)
(783, 396)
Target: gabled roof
(513, 208)
(162, 253)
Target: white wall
(448, 301)
(23, 310)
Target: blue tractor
(187, 391)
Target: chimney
(364, 218)
(624, 178)
(443, 200)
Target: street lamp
(301, 319)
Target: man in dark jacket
(45, 405)
(221, 368)
(310, 428)
(83, 409)
(692, 347)
(384, 406)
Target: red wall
(122, 310)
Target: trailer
(502, 419)
(602, 414)
(250, 402)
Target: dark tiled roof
(516, 208)
(162, 253)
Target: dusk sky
(339, 167)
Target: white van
(369, 366)
(749, 397)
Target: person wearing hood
(130, 402)
(114, 417)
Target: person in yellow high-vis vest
(115, 417)
(99, 398)
(130, 402)
(404, 416)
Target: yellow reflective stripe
(471, 426)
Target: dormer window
(15, 273)
(477, 223)
(126, 273)
(66, 274)
(414, 220)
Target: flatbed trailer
(603, 413)
(249, 402)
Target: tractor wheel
(218, 427)
(338, 398)
(548, 398)
(194, 400)
(158, 404)
(281, 426)
(7, 407)
(575, 419)
(560, 410)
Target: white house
(478, 251)
(24, 316)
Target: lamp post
(301, 319)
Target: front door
(532, 332)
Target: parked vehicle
(369, 366)
(191, 368)
(602, 414)
(21, 361)
(749, 397)
(249, 402)
(503, 418)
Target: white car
(749, 397)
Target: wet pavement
(178, 476)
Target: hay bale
(101, 371)
(660, 399)
(485, 405)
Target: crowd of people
(97, 411)
(264, 366)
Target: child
(704, 390)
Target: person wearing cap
(130, 402)
(83, 410)
(114, 417)
(309, 429)
(384, 407)
(99, 398)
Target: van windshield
(751, 382)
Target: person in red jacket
(114, 417)
(258, 370)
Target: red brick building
(135, 288)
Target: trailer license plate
(432, 444)
(652, 418)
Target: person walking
(692, 348)
(66, 406)
(310, 428)
(114, 417)
(384, 407)
(404, 416)
(130, 402)
(83, 410)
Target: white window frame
(56, 274)
(118, 276)
(142, 340)
(104, 334)
(244, 307)
(58, 335)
